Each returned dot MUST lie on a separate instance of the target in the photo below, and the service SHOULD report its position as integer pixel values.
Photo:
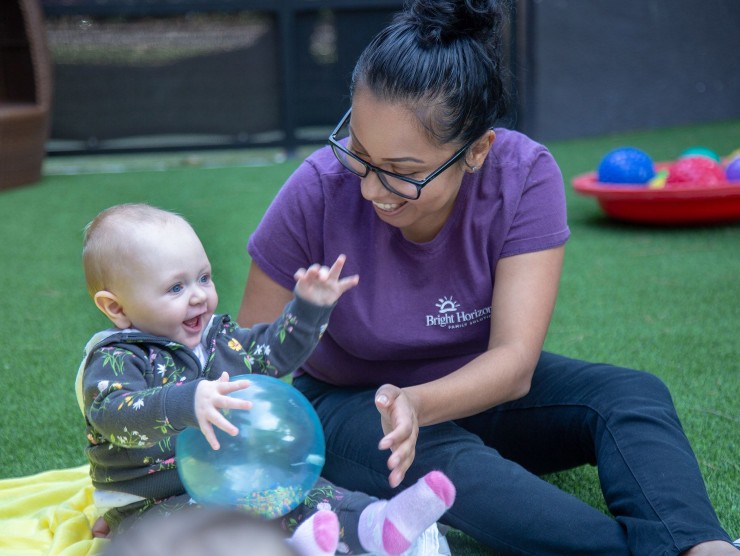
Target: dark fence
(134, 75)
(138, 75)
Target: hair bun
(443, 21)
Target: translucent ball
(270, 465)
(626, 166)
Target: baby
(166, 365)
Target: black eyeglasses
(395, 183)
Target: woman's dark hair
(444, 59)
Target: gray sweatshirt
(137, 390)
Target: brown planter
(25, 92)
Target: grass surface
(665, 300)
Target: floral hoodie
(137, 390)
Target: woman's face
(389, 136)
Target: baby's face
(168, 290)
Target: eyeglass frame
(420, 184)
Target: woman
(458, 233)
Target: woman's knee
(644, 388)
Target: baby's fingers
(348, 283)
(216, 418)
(209, 435)
(229, 387)
(336, 268)
(313, 269)
(230, 402)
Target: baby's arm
(321, 285)
(128, 411)
(279, 348)
(126, 403)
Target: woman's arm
(523, 301)
(524, 296)
(263, 298)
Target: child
(166, 366)
(199, 532)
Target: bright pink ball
(695, 171)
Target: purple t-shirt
(421, 310)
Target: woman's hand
(210, 397)
(401, 428)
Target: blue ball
(270, 465)
(626, 165)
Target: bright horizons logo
(449, 315)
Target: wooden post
(25, 92)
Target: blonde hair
(110, 241)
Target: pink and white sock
(390, 527)
(318, 535)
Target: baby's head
(146, 269)
(199, 531)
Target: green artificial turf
(663, 299)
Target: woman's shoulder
(515, 146)
(323, 161)
(317, 172)
(516, 156)
(321, 183)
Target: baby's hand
(212, 395)
(321, 285)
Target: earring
(473, 169)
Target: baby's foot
(318, 535)
(390, 527)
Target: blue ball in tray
(626, 166)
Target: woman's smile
(388, 207)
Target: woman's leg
(624, 421)
(575, 413)
(498, 502)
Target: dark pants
(576, 413)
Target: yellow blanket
(49, 514)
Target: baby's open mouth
(192, 323)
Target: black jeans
(576, 413)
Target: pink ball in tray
(695, 171)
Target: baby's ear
(108, 303)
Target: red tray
(695, 204)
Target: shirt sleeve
(290, 234)
(279, 348)
(540, 219)
(123, 409)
